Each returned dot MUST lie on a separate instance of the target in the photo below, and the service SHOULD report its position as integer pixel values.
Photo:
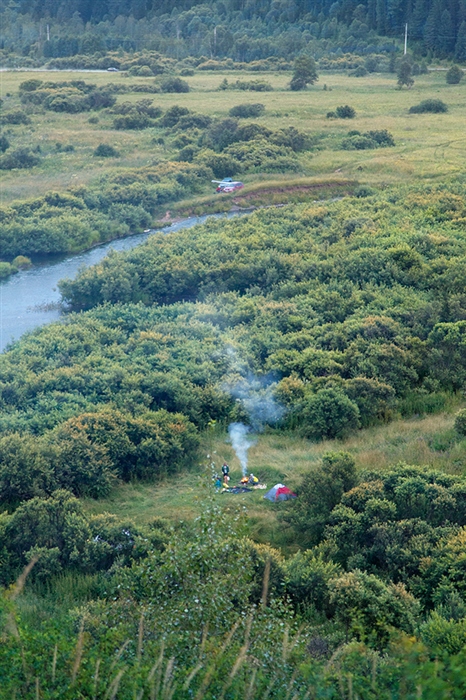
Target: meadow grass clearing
(428, 146)
(280, 457)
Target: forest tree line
(244, 30)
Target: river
(31, 298)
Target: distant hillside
(244, 30)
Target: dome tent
(279, 492)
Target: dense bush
(174, 85)
(343, 112)
(432, 105)
(14, 117)
(252, 85)
(359, 72)
(4, 143)
(405, 524)
(355, 141)
(87, 453)
(460, 422)
(105, 150)
(454, 75)
(67, 96)
(247, 110)
(328, 414)
(136, 115)
(119, 204)
(221, 164)
(21, 158)
(57, 531)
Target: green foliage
(359, 72)
(433, 106)
(58, 532)
(105, 150)
(14, 117)
(251, 85)
(119, 204)
(320, 491)
(85, 454)
(304, 72)
(460, 422)
(7, 269)
(21, 158)
(135, 115)
(68, 96)
(369, 609)
(343, 112)
(4, 143)
(404, 74)
(247, 110)
(444, 636)
(356, 141)
(221, 164)
(307, 580)
(174, 85)
(454, 75)
(327, 414)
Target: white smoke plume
(255, 394)
(241, 442)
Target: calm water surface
(30, 298)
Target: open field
(428, 146)
(429, 441)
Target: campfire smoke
(241, 442)
(255, 395)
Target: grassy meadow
(279, 457)
(428, 146)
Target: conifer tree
(460, 48)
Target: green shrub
(262, 155)
(221, 164)
(15, 117)
(460, 422)
(188, 153)
(454, 75)
(356, 141)
(304, 72)
(30, 85)
(193, 121)
(245, 111)
(174, 85)
(432, 105)
(359, 72)
(4, 143)
(6, 270)
(252, 85)
(173, 115)
(345, 112)
(382, 137)
(133, 120)
(22, 158)
(21, 262)
(328, 414)
(142, 71)
(105, 150)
